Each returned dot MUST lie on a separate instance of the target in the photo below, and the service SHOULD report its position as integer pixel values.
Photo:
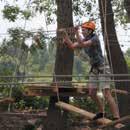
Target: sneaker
(98, 115)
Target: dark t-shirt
(94, 51)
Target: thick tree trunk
(115, 55)
(63, 66)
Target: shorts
(100, 80)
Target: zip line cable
(49, 32)
(62, 82)
(50, 76)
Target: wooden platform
(51, 90)
(47, 90)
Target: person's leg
(105, 86)
(97, 100)
(93, 95)
(113, 106)
(92, 87)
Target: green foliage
(46, 6)
(17, 33)
(128, 52)
(80, 68)
(119, 12)
(6, 66)
(128, 63)
(84, 8)
(85, 103)
(32, 102)
(26, 14)
(127, 57)
(11, 12)
(23, 102)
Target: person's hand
(76, 28)
(63, 31)
(65, 40)
(36, 39)
(65, 35)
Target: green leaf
(11, 12)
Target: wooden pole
(119, 91)
(6, 100)
(125, 118)
(82, 112)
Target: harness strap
(96, 69)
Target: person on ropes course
(91, 45)
(37, 39)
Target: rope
(103, 12)
(53, 32)
(55, 80)
(115, 95)
(50, 76)
(85, 81)
(57, 89)
(107, 44)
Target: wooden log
(50, 93)
(78, 88)
(82, 112)
(53, 93)
(39, 90)
(6, 100)
(121, 120)
(23, 115)
(119, 91)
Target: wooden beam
(73, 91)
(50, 93)
(6, 100)
(119, 91)
(59, 87)
(23, 115)
(44, 90)
(82, 112)
(121, 120)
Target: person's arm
(78, 36)
(74, 45)
(79, 44)
(91, 42)
(69, 43)
(67, 40)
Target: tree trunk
(63, 66)
(115, 55)
(127, 7)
